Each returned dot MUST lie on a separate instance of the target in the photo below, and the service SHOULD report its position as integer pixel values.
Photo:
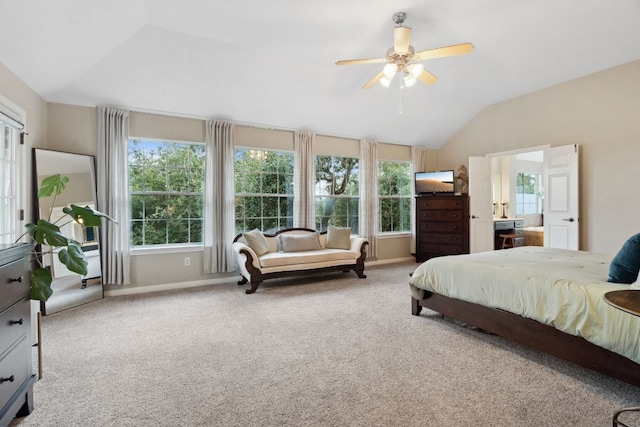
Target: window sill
(393, 235)
(166, 249)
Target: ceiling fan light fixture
(385, 81)
(390, 70)
(416, 70)
(409, 80)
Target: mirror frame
(90, 238)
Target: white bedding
(557, 287)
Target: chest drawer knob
(19, 279)
(10, 379)
(16, 322)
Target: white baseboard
(169, 286)
(389, 261)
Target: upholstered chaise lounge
(297, 251)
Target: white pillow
(338, 237)
(256, 241)
(299, 242)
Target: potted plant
(44, 233)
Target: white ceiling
(271, 63)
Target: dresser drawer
(14, 283)
(441, 249)
(444, 203)
(15, 366)
(454, 239)
(14, 322)
(440, 215)
(440, 227)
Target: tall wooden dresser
(442, 226)
(16, 360)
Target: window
(394, 196)
(9, 142)
(166, 184)
(528, 194)
(337, 187)
(264, 190)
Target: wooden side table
(629, 302)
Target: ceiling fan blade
(401, 38)
(371, 83)
(458, 49)
(427, 78)
(361, 61)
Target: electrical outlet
(187, 261)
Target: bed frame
(533, 334)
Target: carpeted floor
(331, 350)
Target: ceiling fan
(402, 58)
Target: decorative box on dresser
(16, 360)
(442, 225)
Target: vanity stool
(508, 240)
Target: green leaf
(47, 233)
(54, 183)
(86, 216)
(41, 284)
(73, 258)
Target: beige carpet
(325, 351)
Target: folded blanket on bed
(557, 287)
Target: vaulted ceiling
(272, 63)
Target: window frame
(13, 118)
(355, 197)
(167, 247)
(381, 197)
(520, 204)
(291, 197)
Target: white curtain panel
(219, 208)
(304, 178)
(418, 164)
(369, 195)
(113, 194)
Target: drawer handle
(19, 279)
(16, 322)
(10, 379)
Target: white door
(480, 205)
(561, 219)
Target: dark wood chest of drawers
(16, 360)
(442, 226)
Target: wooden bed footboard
(533, 334)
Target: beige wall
(74, 129)
(598, 112)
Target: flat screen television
(434, 182)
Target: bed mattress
(557, 287)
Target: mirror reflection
(69, 289)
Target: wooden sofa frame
(533, 334)
(257, 277)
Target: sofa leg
(243, 281)
(254, 286)
(361, 274)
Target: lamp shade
(385, 81)
(390, 69)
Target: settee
(297, 251)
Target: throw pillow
(256, 241)
(626, 264)
(299, 242)
(338, 237)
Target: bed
(549, 299)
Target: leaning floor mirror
(69, 289)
